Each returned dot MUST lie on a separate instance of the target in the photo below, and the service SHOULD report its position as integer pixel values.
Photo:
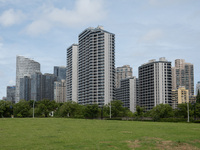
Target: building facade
(60, 73)
(155, 83)
(72, 73)
(11, 93)
(36, 86)
(96, 66)
(24, 67)
(122, 73)
(179, 96)
(48, 86)
(127, 93)
(60, 91)
(183, 75)
(25, 88)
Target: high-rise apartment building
(11, 93)
(127, 93)
(155, 83)
(60, 73)
(198, 87)
(183, 75)
(72, 73)
(179, 96)
(122, 73)
(60, 91)
(24, 67)
(96, 66)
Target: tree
(70, 109)
(182, 110)
(161, 111)
(198, 97)
(6, 108)
(22, 109)
(91, 111)
(139, 111)
(44, 107)
(117, 109)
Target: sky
(144, 29)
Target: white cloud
(152, 36)
(11, 17)
(84, 12)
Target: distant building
(183, 75)
(127, 93)
(25, 88)
(36, 86)
(155, 83)
(60, 73)
(179, 96)
(122, 73)
(96, 66)
(60, 91)
(11, 93)
(24, 67)
(198, 87)
(72, 73)
(48, 86)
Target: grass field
(61, 133)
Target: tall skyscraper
(25, 88)
(36, 86)
(122, 73)
(72, 73)
(155, 83)
(198, 87)
(127, 93)
(96, 66)
(183, 75)
(48, 86)
(11, 93)
(24, 67)
(60, 73)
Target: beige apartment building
(179, 96)
(122, 73)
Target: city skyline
(144, 30)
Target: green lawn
(61, 133)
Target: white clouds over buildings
(84, 12)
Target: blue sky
(144, 30)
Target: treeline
(47, 108)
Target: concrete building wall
(72, 73)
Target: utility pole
(110, 109)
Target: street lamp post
(110, 109)
(33, 108)
(188, 112)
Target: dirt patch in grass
(169, 145)
(133, 144)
